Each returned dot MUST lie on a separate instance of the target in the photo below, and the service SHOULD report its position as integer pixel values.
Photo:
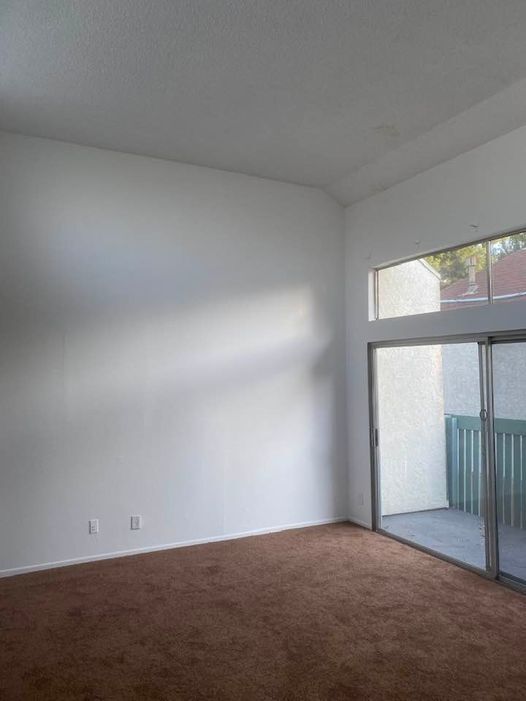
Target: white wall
(472, 196)
(172, 345)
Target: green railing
(464, 467)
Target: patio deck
(460, 535)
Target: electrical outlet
(93, 525)
(360, 499)
(135, 523)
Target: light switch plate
(135, 523)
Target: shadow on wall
(229, 410)
(192, 379)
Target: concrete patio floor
(461, 536)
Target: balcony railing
(465, 465)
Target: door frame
(485, 343)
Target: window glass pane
(463, 276)
(508, 268)
(449, 280)
(509, 391)
(408, 288)
(432, 476)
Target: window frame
(487, 240)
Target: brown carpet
(332, 612)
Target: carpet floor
(331, 612)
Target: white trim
(167, 546)
(358, 522)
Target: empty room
(262, 350)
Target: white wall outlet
(360, 499)
(93, 525)
(135, 523)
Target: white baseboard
(359, 522)
(166, 546)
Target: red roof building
(509, 284)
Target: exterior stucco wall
(412, 437)
(461, 381)
(509, 381)
(410, 399)
(408, 288)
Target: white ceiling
(348, 95)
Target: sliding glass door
(449, 447)
(431, 447)
(509, 391)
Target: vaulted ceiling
(351, 96)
